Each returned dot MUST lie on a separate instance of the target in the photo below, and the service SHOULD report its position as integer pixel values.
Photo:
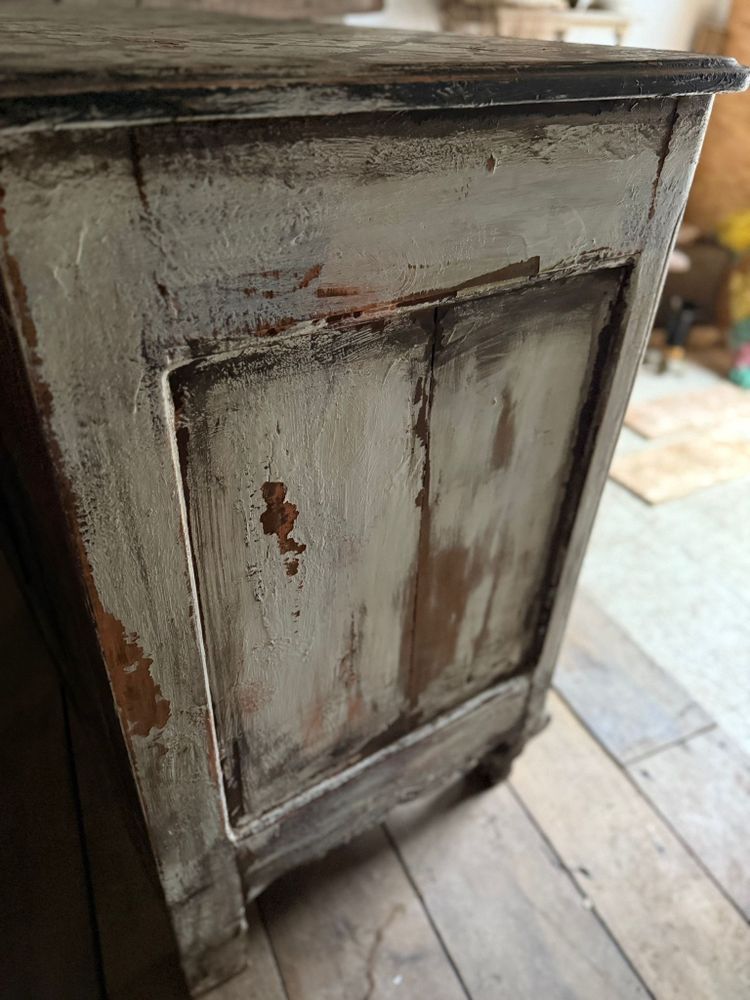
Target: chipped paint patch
(310, 275)
(278, 519)
(143, 707)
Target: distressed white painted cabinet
(316, 344)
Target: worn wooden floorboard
(676, 577)
(702, 788)
(352, 927)
(261, 980)
(674, 924)
(514, 922)
(625, 699)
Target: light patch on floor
(676, 577)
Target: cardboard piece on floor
(676, 470)
(688, 411)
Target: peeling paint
(139, 699)
(310, 275)
(278, 519)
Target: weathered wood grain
(302, 466)
(353, 926)
(510, 381)
(513, 920)
(701, 787)
(677, 929)
(350, 802)
(624, 698)
(63, 67)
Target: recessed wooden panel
(374, 512)
(507, 451)
(302, 463)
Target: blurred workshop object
(548, 21)
(696, 277)
(734, 233)
(722, 180)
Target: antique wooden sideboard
(316, 344)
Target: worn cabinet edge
(287, 74)
(680, 159)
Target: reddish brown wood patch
(142, 706)
(278, 519)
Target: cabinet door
(302, 464)
(511, 419)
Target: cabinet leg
(496, 765)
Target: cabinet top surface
(64, 66)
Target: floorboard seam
(423, 903)
(272, 946)
(669, 745)
(658, 813)
(577, 886)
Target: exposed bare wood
(307, 620)
(648, 889)
(671, 471)
(688, 411)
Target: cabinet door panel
(508, 426)
(301, 465)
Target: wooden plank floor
(615, 861)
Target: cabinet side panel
(511, 377)
(302, 465)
